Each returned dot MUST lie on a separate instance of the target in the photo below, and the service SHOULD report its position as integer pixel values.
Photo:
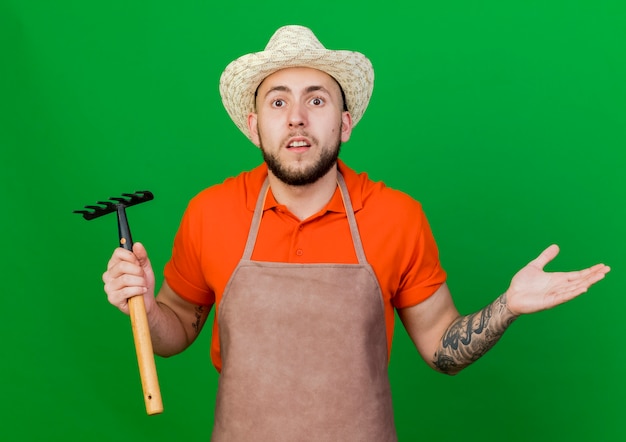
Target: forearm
(166, 331)
(469, 337)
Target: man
(306, 260)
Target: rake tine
(108, 206)
(120, 200)
(86, 213)
(105, 207)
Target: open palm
(532, 289)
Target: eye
(317, 101)
(278, 103)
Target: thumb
(142, 255)
(140, 251)
(546, 256)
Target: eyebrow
(308, 90)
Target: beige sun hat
(295, 46)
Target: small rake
(138, 317)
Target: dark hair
(343, 98)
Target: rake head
(106, 207)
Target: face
(299, 124)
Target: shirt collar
(353, 182)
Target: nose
(297, 116)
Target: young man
(306, 260)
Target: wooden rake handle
(141, 332)
(145, 355)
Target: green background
(507, 120)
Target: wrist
(505, 302)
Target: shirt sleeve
(422, 272)
(183, 272)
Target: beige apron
(304, 350)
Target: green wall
(507, 120)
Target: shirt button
(299, 252)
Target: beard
(311, 174)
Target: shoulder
(217, 219)
(375, 198)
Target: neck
(305, 201)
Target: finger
(119, 295)
(594, 274)
(122, 268)
(588, 276)
(121, 255)
(120, 298)
(122, 287)
(576, 283)
(122, 281)
(598, 269)
(546, 256)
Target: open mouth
(298, 145)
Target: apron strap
(347, 202)
(354, 229)
(256, 220)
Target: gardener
(305, 261)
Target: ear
(254, 129)
(346, 126)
